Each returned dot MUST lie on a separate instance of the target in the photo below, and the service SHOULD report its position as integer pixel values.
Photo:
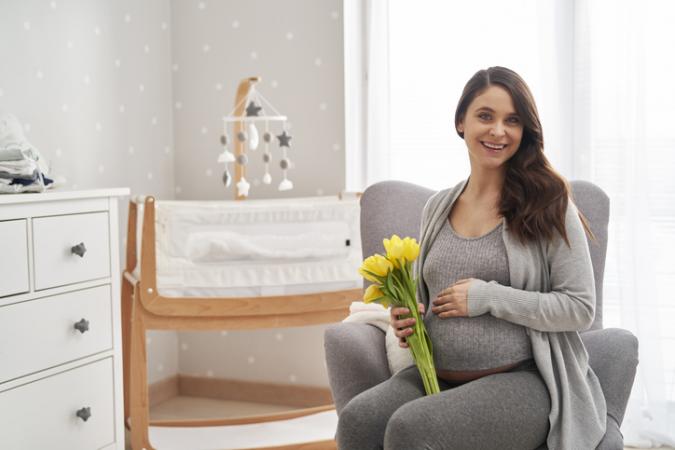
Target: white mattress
(256, 247)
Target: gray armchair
(355, 352)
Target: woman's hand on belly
(452, 301)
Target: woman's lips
(493, 150)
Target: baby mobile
(248, 111)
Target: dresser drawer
(55, 241)
(41, 333)
(14, 257)
(43, 414)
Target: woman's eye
(514, 120)
(484, 116)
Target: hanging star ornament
(284, 139)
(243, 186)
(252, 110)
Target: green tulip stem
(400, 286)
(419, 342)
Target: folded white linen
(11, 153)
(219, 246)
(17, 169)
(12, 138)
(377, 315)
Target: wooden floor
(206, 408)
(193, 407)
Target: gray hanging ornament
(241, 136)
(223, 139)
(284, 139)
(242, 160)
(227, 179)
(252, 110)
(267, 157)
(267, 137)
(284, 163)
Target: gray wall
(295, 46)
(131, 93)
(72, 72)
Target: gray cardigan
(552, 293)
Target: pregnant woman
(505, 283)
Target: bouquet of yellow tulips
(394, 285)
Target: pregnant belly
(467, 348)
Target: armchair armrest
(613, 355)
(355, 358)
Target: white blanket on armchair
(376, 314)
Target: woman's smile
(493, 149)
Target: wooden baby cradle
(143, 308)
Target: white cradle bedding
(256, 247)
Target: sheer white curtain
(603, 77)
(378, 137)
(422, 54)
(633, 160)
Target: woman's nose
(497, 130)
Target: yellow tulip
(397, 249)
(375, 267)
(398, 288)
(411, 249)
(394, 248)
(374, 294)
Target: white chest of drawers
(60, 331)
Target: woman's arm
(570, 306)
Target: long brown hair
(534, 196)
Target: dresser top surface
(62, 194)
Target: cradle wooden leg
(126, 301)
(138, 382)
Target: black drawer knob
(84, 413)
(82, 326)
(79, 249)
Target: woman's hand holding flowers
(395, 286)
(403, 327)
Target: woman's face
(491, 121)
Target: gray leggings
(508, 410)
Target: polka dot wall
(72, 75)
(127, 93)
(295, 46)
(90, 81)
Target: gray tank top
(471, 343)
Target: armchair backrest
(395, 207)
